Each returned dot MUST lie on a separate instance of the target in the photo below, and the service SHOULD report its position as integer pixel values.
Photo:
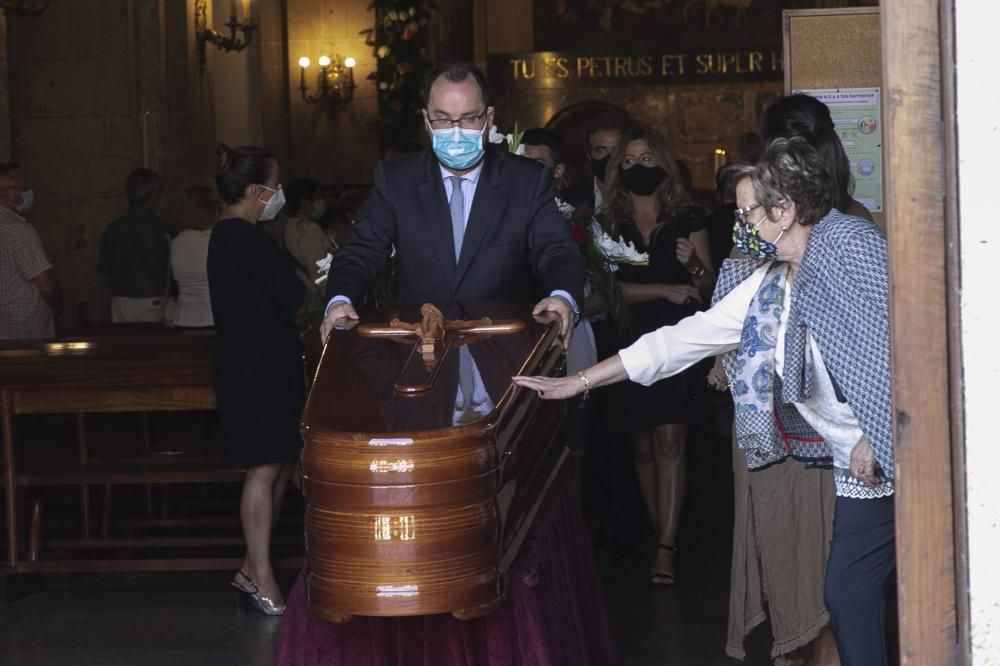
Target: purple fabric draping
(553, 614)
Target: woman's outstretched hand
(551, 388)
(608, 371)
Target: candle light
(246, 11)
(303, 63)
(350, 63)
(324, 61)
(719, 158)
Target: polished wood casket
(419, 497)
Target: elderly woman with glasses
(804, 323)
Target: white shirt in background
(189, 265)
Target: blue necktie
(457, 205)
(466, 376)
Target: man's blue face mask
(458, 148)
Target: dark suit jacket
(517, 246)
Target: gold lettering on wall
(543, 69)
(672, 65)
(555, 68)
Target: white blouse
(189, 264)
(672, 349)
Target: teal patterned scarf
(752, 373)
(768, 427)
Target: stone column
(237, 75)
(4, 94)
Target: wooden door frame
(922, 222)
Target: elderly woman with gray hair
(804, 323)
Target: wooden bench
(143, 371)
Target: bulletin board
(831, 49)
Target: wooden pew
(138, 370)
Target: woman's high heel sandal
(239, 586)
(249, 595)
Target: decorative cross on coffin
(434, 336)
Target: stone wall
(76, 127)
(4, 94)
(94, 95)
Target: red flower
(404, 67)
(580, 236)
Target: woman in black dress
(259, 375)
(646, 204)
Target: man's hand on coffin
(560, 307)
(340, 315)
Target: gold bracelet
(698, 271)
(586, 385)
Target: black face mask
(643, 180)
(598, 167)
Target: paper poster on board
(857, 117)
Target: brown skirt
(781, 540)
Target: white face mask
(273, 205)
(27, 201)
(319, 209)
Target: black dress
(259, 373)
(677, 399)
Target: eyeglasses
(741, 213)
(470, 122)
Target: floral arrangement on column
(400, 42)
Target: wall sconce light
(23, 7)
(234, 41)
(719, 159)
(334, 82)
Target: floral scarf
(768, 429)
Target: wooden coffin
(408, 512)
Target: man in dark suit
(604, 133)
(468, 221)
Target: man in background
(545, 147)
(604, 133)
(30, 296)
(135, 253)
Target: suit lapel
(485, 208)
(437, 216)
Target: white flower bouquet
(512, 140)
